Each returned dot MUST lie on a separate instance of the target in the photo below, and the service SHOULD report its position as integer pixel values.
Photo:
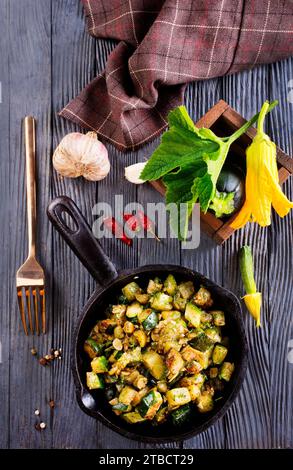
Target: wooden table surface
(46, 58)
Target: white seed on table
(37, 412)
(42, 425)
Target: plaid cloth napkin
(162, 46)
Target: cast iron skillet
(90, 253)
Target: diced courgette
(130, 290)
(154, 286)
(178, 302)
(192, 314)
(218, 317)
(161, 301)
(99, 365)
(186, 289)
(94, 381)
(155, 364)
(92, 348)
(133, 417)
(178, 396)
(205, 403)
(141, 337)
(150, 404)
(213, 334)
(219, 354)
(170, 284)
(126, 395)
(226, 371)
(171, 315)
(203, 298)
(150, 322)
(133, 309)
(181, 415)
(201, 342)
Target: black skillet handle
(81, 239)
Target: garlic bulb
(81, 155)
(132, 172)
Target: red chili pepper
(117, 230)
(139, 222)
(147, 224)
(132, 222)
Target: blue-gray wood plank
(46, 58)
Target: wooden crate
(224, 120)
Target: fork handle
(30, 153)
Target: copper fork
(30, 278)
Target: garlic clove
(81, 155)
(132, 172)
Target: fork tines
(32, 299)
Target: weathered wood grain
(46, 58)
(248, 421)
(30, 93)
(206, 259)
(5, 217)
(280, 275)
(73, 65)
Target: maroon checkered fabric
(162, 46)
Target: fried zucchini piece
(118, 312)
(154, 286)
(170, 285)
(142, 298)
(214, 334)
(189, 353)
(130, 290)
(202, 342)
(174, 364)
(92, 348)
(161, 301)
(178, 396)
(194, 391)
(127, 395)
(178, 302)
(150, 404)
(205, 403)
(206, 318)
(218, 317)
(226, 371)
(133, 309)
(155, 364)
(94, 381)
(193, 367)
(181, 415)
(219, 354)
(171, 315)
(203, 298)
(99, 365)
(193, 314)
(141, 337)
(127, 357)
(186, 289)
(150, 322)
(133, 417)
(118, 332)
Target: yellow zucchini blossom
(262, 181)
(253, 304)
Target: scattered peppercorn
(43, 361)
(34, 351)
(52, 404)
